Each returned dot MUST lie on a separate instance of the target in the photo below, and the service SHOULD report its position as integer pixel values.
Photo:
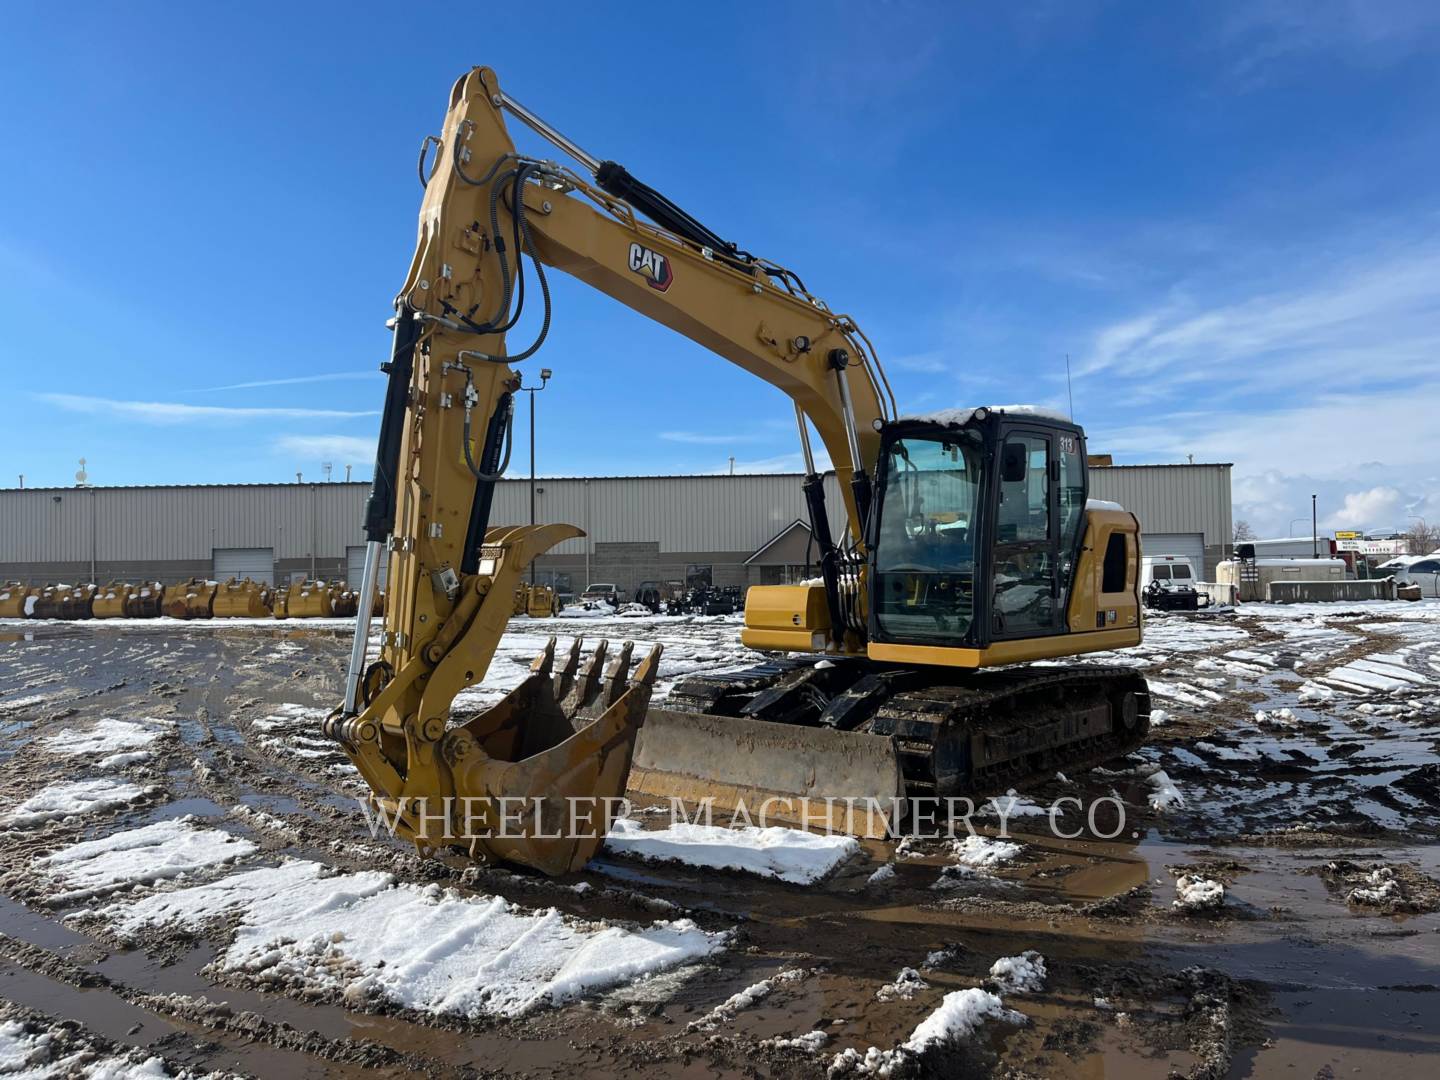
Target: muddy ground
(1269, 908)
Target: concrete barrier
(1298, 592)
(1221, 593)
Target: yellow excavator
(968, 548)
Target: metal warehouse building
(731, 530)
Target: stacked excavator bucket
(344, 602)
(308, 600)
(15, 600)
(193, 599)
(111, 599)
(241, 600)
(146, 601)
(64, 602)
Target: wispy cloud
(170, 412)
(704, 438)
(337, 376)
(342, 448)
(1350, 326)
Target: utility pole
(545, 374)
(1314, 537)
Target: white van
(1167, 583)
(1166, 568)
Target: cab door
(1026, 593)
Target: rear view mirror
(1014, 463)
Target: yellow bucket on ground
(111, 599)
(344, 601)
(13, 597)
(64, 602)
(309, 600)
(146, 601)
(244, 599)
(193, 599)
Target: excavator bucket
(560, 746)
(344, 602)
(244, 599)
(110, 601)
(536, 778)
(64, 602)
(193, 599)
(146, 601)
(840, 781)
(16, 600)
(309, 600)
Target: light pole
(1314, 538)
(1290, 529)
(545, 374)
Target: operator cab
(976, 528)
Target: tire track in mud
(1115, 934)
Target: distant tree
(1423, 537)
(1243, 531)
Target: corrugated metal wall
(1170, 498)
(682, 513)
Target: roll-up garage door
(257, 564)
(1191, 545)
(355, 566)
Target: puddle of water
(198, 806)
(31, 926)
(98, 1009)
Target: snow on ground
(1166, 794)
(959, 1015)
(35, 1054)
(1023, 974)
(744, 999)
(166, 849)
(790, 855)
(906, 985)
(73, 798)
(109, 736)
(1013, 805)
(1196, 893)
(423, 947)
(982, 852)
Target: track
(972, 735)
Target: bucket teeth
(587, 683)
(566, 678)
(541, 665)
(618, 674)
(551, 756)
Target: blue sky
(1227, 216)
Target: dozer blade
(817, 778)
(539, 776)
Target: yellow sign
(1348, 535)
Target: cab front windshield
(925, 547)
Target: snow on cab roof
(960, 417)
